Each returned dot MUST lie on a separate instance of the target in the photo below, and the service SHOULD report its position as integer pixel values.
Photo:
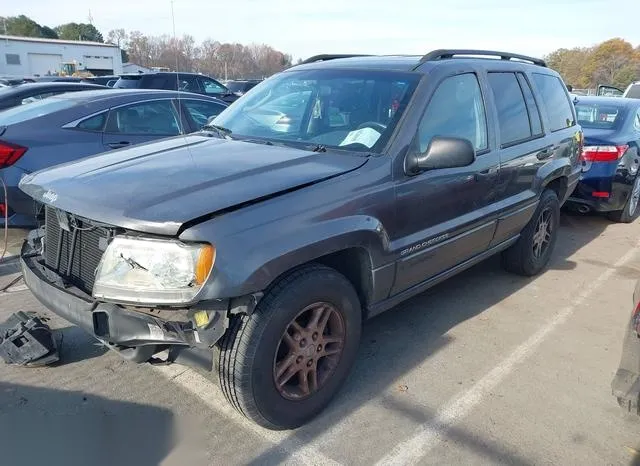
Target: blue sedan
(610, 158)
(70, 126)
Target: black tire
(246, 361)
(520, 258)
(631, 208)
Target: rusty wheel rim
(309, 351)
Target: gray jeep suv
(330, 193)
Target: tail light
(10, 153)
(603, 153)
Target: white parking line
(209, 392)
(430, 433)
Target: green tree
(49, 33)
(570, 64)
(613, 62)
(25, 27)
(79, 31)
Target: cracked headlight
(152, 271)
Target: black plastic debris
(26, 340)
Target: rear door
(141, 122)
(523, 148)
(444, 215)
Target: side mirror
(443, 152)
(210, 119)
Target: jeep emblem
(50, 197)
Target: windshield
(347, 109)
(599, 116)
(34, 110)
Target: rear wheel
(631, 210)
(531, 253)
(282, 365)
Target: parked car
(14, 80)
(626, 383)
(632, 91)
(611, 157)
(330, 193)
(27, 93)
(189, 82)
(102, 80)
(241, 87)
(67, 127)
(59, 79)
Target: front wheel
(631, 210)
(283, 364)
(531, 253)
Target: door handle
(117, 145)
(485, 174)
(545, 153)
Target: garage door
(41, 63)
(98, 62)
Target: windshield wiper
(219, 130)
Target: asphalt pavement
(486, 368)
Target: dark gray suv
(328, 194)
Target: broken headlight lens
(152, 271)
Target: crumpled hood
(158, 187)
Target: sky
(306, 27)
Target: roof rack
(325, 57)
(450, 53)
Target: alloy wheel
(309, 351)
(542, 234)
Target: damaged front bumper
(626, 383)
(136, 333)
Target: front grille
(86, 252)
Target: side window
(200, 110)
(532, 107)
(512, 111)
(159, 82)
(556, 101)
(455, 110)
(211, 87)
(157, 117)
(94, 123)
(188, 83)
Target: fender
(556, 169)
(251, 261)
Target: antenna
(175, 44)
(90, 18)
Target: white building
(31, 56)
(134, 68)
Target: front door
(141, 122)
(444, 215)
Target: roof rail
(450, 53)
(325, 57)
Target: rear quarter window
(128, 83)
(159, 82)
(555, 100)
